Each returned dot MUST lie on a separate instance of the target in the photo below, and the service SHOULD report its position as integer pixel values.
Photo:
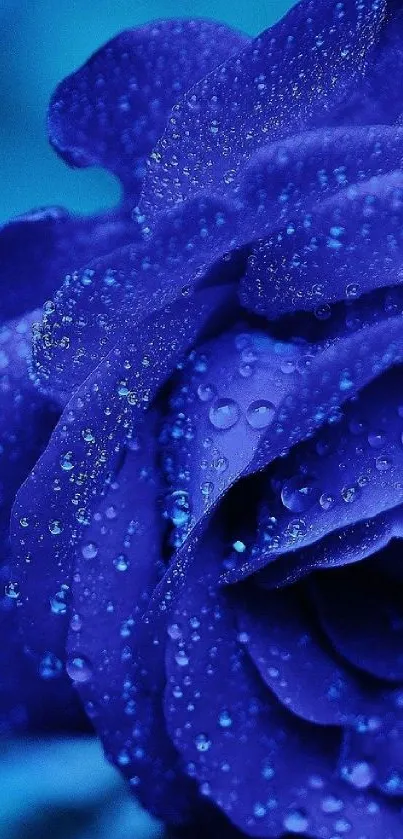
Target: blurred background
(63, 789)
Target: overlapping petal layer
(112, 111)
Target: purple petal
(228, 396)
(112, 111)
(33, 691)
(117, 566)
(346, 474)
(189, 242)
(283, 641)
(362, 614)
(117, 292)
(342, 547)
(378, 99)
(289, 78)
(59, 496)
(228, 727)
(374, 753)
(326, 381)
(351, 246)
(39, 248)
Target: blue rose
(209, 443)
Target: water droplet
(178, 508)
(50, 667)
(350, 493)
(296, 529)
(78, 668)
(239, 546)
(296, 821)
(326, 501)
(332, 804)
(376, 439)
(299, 493)
(260, 413)
(224, 414)
(88, 435)
(202, 743)
(206, 392)
(66, 461)
(12, 590)
(225, 719)
(89, 550)
(121, 562)
(181, 658)
(58, 603)
(360, 774)
(383, 463)
(55, 527)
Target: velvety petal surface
(116, 568)
(349, 246)
(229, 393)
(346, 474)
(39, 248)
(283, 638)
(362, 615)
(58, 498)
(287, 79)
(228, 727)
(112, 111)
(32, 691)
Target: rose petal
(39, 248)
(227, 727)
(228, 396)
(342, 547)
(61, 491)
(362, 614)
(112, 111)
(80, 326)
(116, 568)
(291, 77)
(282, 638)
(350, 246)
(348, 473)
(374, 752)
(32, 692)
(120, 290)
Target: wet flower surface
(202, 444)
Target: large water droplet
(12, 591)
(360, 774)
(296, 821)
(50, 667)
(260, 413)
(78, 668)
(224, 414)
(299, 493)
(66, 461)
(178, 508)
(89, 550)
(58, 603)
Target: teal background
(64, 789)
(44, 40)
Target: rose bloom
(202, 444)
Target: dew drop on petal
(296, 821)
(224, 414)
(299, 493)
(78, 668)
(202, 743)
(260, 413)
(89, 550)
